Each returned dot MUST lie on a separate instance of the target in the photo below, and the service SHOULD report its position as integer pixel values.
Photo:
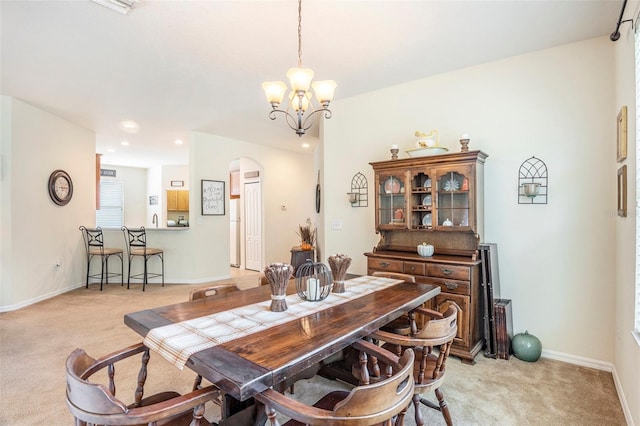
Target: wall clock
(60, 187)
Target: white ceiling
(176, 66)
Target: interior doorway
(246, 217)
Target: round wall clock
(60, 187)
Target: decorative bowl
(424, 152)
(425, 250)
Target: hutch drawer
(414, 268)
(449, 271)
(388, 265)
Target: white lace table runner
(177, 342)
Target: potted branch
(307, 234)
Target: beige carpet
(35, 341)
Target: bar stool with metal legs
(136, 242)
(94, 246)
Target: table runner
(177, 342)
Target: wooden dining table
(245, 366)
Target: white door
(253, 226)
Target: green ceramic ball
(526, 347)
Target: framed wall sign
(177, 183)
(622, 134)
(212, 197)
(622, 191)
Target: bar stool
(136, 242)
(94, 246)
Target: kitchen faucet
(155, 219)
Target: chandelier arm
(290, 119)
(327, 114)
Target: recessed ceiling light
(124, 143)
(111, 150)
(178, 142)
(305, 145)
(130, 126)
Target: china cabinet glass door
(453, 198)
(391, 200)
(421, 200)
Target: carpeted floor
(35, 341)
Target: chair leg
(121, 269)
(102, 266)
(418, 414)
(106, 269)
(144, 278)
(162, 261)
(129, 273)
(88, 266)
(443, 407)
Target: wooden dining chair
(406, 323)
(214, 290)
(136, 242)
(203, 293)
(94, 247)
(431, 344)
(371, 404)
(96, 403)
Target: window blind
(111, 213)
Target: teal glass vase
(526, 347)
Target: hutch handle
(446, 271)
(451, 286)
(384, 264)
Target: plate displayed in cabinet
(427, 183)
(452, 185)
(426, 220)
(391, 186)
(426, 200)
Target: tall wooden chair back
(364, 405)
(429, 369)
(395, 275)
(96, 403)
(405, 323)
(213, 290)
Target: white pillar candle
(464, 136)
(394, 146)
(313, 289)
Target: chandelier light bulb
(324, 90)
(300, 79)
(274, 90)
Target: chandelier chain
(299, 33)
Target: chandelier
(297, 113)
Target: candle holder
(394, 153)
(465, 145)
(313, 281)
(278, 275)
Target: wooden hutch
(436, 200)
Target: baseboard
(598, 365)
(578, 360)
(623, 399)
(25, 303)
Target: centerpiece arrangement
(307, 234)
(278, 275)
(339, 263)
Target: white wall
(556, 260)
(627, 350)
(35, 232)
(288, 179)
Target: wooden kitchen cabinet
(177, 200)
(437, 200)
